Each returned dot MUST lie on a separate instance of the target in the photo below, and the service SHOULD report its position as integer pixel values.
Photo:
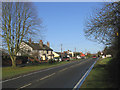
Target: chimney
(41, 43)
(30, 41)
(48, 44)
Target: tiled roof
(36, 46)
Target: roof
(36, 46)
(82, 55)
(58, 53)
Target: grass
(99, 76)
(9, 72)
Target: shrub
(51, 61)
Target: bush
(6, 60)
(51, 61)
(23, 59)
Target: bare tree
(105, 24)
(19, 21)
(104, 27)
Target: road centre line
(11, 79)
(35, 72)
(63, 69)
(78, 64)
(47, 76)
(26, 85)
(37, 80)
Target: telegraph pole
(75, 53)
(61, 51)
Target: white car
(57, 59)
(78, 57)
(60, 59)
(103, 56)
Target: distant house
(68, 53)
(82, 55)
(65, 54)
(39, 50)
(59, 53)
(56, 54)
(71, 53)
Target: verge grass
(99, 76)
(9, 72)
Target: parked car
(57, 59)
(94, 56)
(103, 56)
(78, 57)
(60, 59)
(65, 59)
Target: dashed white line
(34, 72)
(26, 85)
(63, 69)
(47, 76)
(10, 79)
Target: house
(68, 53)
(71, 53)
(82, 55)
(56, 54)
(38, 50)
(59, 53)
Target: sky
(64, 24)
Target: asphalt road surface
(64, 76)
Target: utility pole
(61, 51)
(75, 53)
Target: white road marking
(78, 64)
(80, 80)
(35, 72)
(10, 79)
(83, 77)
(47, 76)
(63, 69)
(26, 85)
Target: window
(29, 50)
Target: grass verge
(99, 76)
(9, 72)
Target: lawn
(9, 72)
(99, 76)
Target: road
(64, 76)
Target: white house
(40, 50)
(56, 54)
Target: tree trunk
(13, 62)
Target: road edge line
(80, 82)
